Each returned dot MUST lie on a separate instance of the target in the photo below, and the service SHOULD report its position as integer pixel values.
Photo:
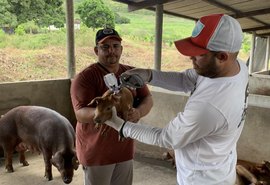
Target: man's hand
(115, 122)
(145, 74)
(134, 115)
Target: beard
(112, 59)
(209, 70)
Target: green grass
(37, 41)
(142, 27)
(138, 30)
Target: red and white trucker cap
(216, 32)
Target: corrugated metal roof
(253, 15)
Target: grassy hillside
(43, 56)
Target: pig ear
(94, 101)
(57, 160)
(116, 98)
(75, 161)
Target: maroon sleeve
(87, 85)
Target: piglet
(43, 130)
(123, 102)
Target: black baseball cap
(106, 33)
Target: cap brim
(110, 36)
(186, 47)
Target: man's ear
(96, 50)
(222, 56)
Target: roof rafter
(226, 7)
(133, 6)
(251, 13)
(256, 28)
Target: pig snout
(67, 174)
(67, 180)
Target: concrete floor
(146, 172)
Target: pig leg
(22, 158)
(21, 148)
(48, 165)
(8, 151)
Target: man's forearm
(85, 115)
(145, 106)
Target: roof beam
(132, 6)
(256, 28)
(221, 5)
(264, 34)
(226, 7)
(174, 14)
(251, 13)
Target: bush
(2, 34)
(246, 45)
(121, 20)
(30, 27)
(20, 30)
(2, 38)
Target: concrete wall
(53, 94)
(259, 83)
(166, 106)
(253, 145)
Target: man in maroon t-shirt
(105, 159)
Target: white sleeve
(197, 121)
(175, 81)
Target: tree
(42, 12)
(95, 14)
(54, 14)
(7, 19)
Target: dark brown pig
(39, 129)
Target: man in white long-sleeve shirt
(205, 134)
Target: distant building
(77, 24)
(52, 28)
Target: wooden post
(252, 50)
(267, 54)
(70, 38)
(158, 36)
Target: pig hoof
(9, 169)
(48, 177)
(25, 163)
